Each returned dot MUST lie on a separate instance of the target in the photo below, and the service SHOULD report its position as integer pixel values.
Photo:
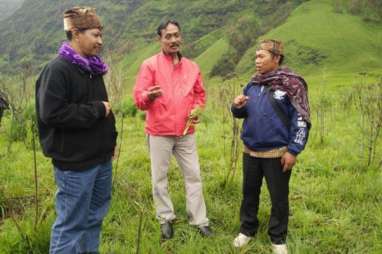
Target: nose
(257, 61)
(99, 40)
(173, 39)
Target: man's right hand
(240, 101)
(107, 108)
(154, 92)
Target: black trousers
(278, 186)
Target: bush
(126, 108)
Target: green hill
(31, 36)
(318, 39)
(330, 36)
(209, 58)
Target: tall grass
(334, 195)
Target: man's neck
(273, 70)
(76, 48)
(175, 57)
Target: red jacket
(182, 90)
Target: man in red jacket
(169, 87)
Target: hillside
(331, 36)
(32, 34)
(320, 40)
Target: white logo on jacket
(300, 137)
(279, 95)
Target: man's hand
(107, 108)
(287, 161)
(240, 101)
(195, 120)
(154, 92)
(115, 153)
(194, 115)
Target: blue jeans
(82, 201)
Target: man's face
(170, 39)
(266, 62)
(90, 42)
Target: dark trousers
(278, 186)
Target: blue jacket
(263, 129)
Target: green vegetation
(334, 194)
(33, 35)
(370, 11)
(319, 40)
(336, 187)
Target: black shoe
(205, 231)
(166, 230)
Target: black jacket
(72, 125)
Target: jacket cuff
(237, 111)
(293, 150)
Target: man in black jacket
(77, 130)
(3, 104)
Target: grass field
(335, 199)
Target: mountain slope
(317, 39)
(319, 36)
(32, 34)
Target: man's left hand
(114, 154)
(195, 120)
(287, 161)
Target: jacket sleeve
(199, 92)
(240, 112)
(54, 108)
(144, 80)
(299, 133)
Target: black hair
(69, 35)
(163, 25)
(281, 60)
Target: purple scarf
(294, 85)
(92, 64)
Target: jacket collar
(168, 57)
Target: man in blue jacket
(276, 124)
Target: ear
(75, 33)
(276, 58)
